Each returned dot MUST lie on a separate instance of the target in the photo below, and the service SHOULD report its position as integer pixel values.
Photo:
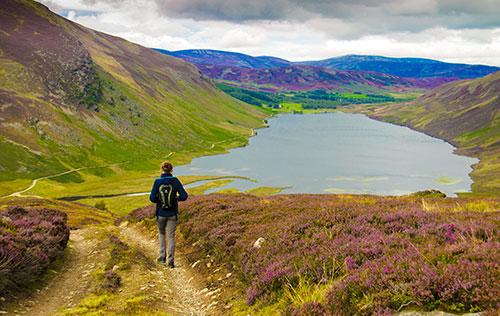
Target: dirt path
(175, 291)
(188, 296)
(71, 283)
(35, 181)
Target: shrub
(112, 281)
(429, 194)
(101, 205)
(30, 240)
(142, 213)
(380, 257)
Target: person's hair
(166, 167)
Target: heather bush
(112, 281)
(309, 309)
(380, 254)
(141, 213)
(30, 239)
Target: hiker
(167, 190)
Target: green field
(289, 101)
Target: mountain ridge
(72, 96)
(346, 62)
(405, 66)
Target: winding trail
(189, 296)
(179, 291)
(35, 181)
(69, 284)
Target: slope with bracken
(71, 96)
(465, 113)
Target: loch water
(340, 153)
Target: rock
(3, 312)
(228, 275)
(116, 267)
(209, 264)
(195, 264)
(212, 292)
(258, 243)
(204, 291)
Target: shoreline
(457, 149)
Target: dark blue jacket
(179, 192)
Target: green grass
(120, 205)
(129, 183)
(126, 124)
(291, 107)
(207, 186)
(265, 191)
(297, 294)
(79, 215)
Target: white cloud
(317, 37)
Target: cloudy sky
(450, 30)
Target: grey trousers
(167, 225)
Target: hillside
(273, 82)
(71, 97)
(274, 74)
(405, 67)
(345, 255)
(466, 114)
(223, 58)
(304, 78)
(402, 67)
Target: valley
(352, 185)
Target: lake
(340, 153)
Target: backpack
(166, 196)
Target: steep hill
(465, 113)
(303, 78)
(223, 58)
(71, 96)
(405, 67)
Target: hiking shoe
(161, 260)
(171, 265)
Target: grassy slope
(148, 104)
(464, 113)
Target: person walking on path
(166, 192)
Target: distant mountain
(223, 58)
(304, 78)
(405, 67)
(465, 113)
(71, 96)
(344, 73)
